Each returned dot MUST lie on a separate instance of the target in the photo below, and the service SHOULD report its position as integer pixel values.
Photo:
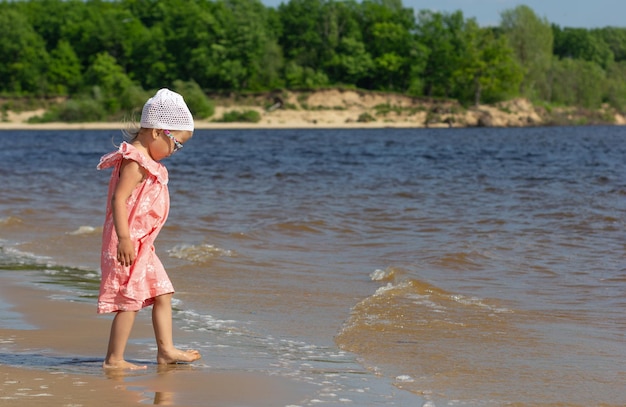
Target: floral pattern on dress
(131, 288)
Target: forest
(102, 58)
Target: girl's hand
(125, 252)
(131, 174)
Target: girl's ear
(155, 134)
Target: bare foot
(177, 356)
(122, 365)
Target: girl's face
(167, 142)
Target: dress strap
(128, 151)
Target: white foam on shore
(10, 220)
(83, 230)
(10, 254)
(336, 375)
(383, 275)
(199, 253)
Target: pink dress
(133, 288)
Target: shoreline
(60, 361)
(296, 125)
(348, 109)
(202, 125)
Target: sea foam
(83, 230)
(199, 253)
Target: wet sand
(59, 362)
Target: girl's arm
(131, 174)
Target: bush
(73, 111)
(197, 101)
(365, 118)
(247, 116)
(385, 108)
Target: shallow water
(465, 266)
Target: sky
(565, 13)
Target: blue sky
(565, 13)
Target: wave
(85, 230)
(14, 259)
(471, 260)
(199, 253)
(298, 227)
(387, 274)
(414, 332)
(79, 282)
(409, 304)
(10, 220)
(447, 347)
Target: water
(471, 267)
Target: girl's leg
(162, 322)
(120, 332)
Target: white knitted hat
(166, 110)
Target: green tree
(111, 86)
(50, 18)
(487, 69)
(395, 55)
(615, 86)
(389, 35)
(100, 26)
(299, 77)
(320, 39)
(531, 39)
(230, 45)
(351, 62)
(23, 57)
(577, 83)
(344, 55)
(149, 63)
(249, 42)
(615, 38)
(580, 43)
(301, 37)
(272, 63)
(170, 40)
(64, 70)
(442, 34)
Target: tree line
(106, 56)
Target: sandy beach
(59, 363)
(336, 108)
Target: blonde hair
(130, 131)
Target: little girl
(138, 204)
